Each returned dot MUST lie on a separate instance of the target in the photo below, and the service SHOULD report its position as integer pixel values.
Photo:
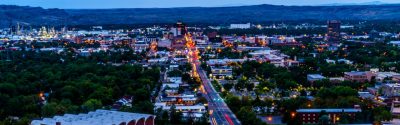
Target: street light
(293, 114)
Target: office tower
(333, 31)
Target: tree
(248, 117)
(203, 120)
(323, 120)
(175, 73)
(91, 105)
(249, 86)
(190, 118)
(234, 102)
(338, 96)
(175, 116)
(49, 110)
(381, 114)
(322, 83)
(241, 83)
(8, 88)
(144, 107)
(258, 102)
(103, 94)
(216, 85)
(289, 107)
(70, 83)
(228, 86)
(265, 86)
(181, 90)
(288, 84)
(141, 95)
(201, 100)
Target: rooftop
(98, 117)
(393, 85)
(328, 110)
(355, 73)
(316, 76)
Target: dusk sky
(90, 4)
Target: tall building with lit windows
(333, 34)
(179, 29)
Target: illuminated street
(220, 114)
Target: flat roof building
(312, 115)
(99, 117)
(315, 77)
(357, 76)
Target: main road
(220, 114)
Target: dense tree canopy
(70, 84)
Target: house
(158, 60)
(170, 85)
(174, 79)
(390, 93)
(390, 90)
(181, 99)
(395, 43)
(195, 111)
(141, 46)
(330, 61)
(224, 62)
(314, 77)
(124, 101)
(336, 79)
(345, 61)
(396, 78)
(173, 67)
(289, 63)
(164, 43)
(365, 95)
(381, 76)
(220, 72)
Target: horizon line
(218, 6)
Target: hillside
(31, 15)
(256, 13)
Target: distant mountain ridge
(218, 15)
(364, 3)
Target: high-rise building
(333, 31)
(13, 29)
(179, 29)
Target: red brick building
(312, 115)
(366, 76)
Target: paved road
(220, 112)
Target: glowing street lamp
(293, 114)
(269, 118)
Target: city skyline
(100, 4)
